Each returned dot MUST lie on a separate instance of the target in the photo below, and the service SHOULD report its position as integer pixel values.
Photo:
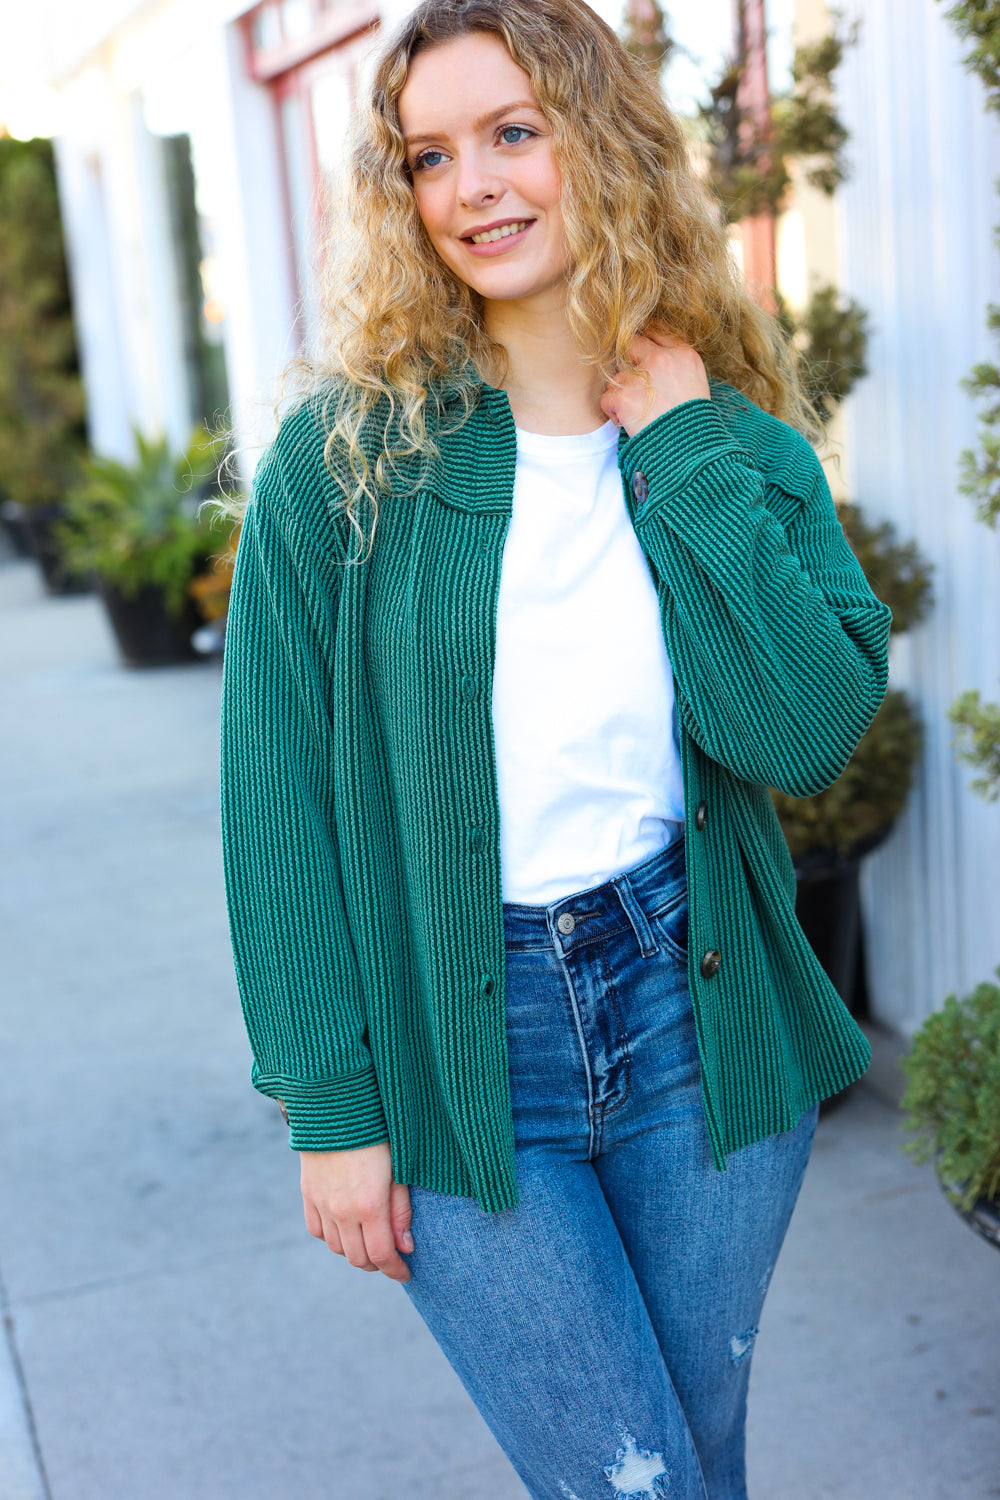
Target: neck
(549, 387)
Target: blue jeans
(604, 1326)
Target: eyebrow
(477, 125)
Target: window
(308, 53)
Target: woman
(528, 614)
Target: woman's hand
(676, 374)
(352, 1202)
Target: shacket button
(701, 816)
(640, 486)
(710, 963)
(468, 688)
(565, 923)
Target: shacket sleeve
(778, 645)
(297, 973)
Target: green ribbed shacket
(359, 795)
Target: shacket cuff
(329, 1114)
(671, 451)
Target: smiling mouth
(501, 232)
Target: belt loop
(637, 917)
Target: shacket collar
(475, 470)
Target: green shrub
(832, 339)
(870, 794)
(873, 789)
(896, 571)
(139, 525)
(952, 1098)
(978, 744)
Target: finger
(626, 379)
(332, 1237)
(382, 1253)
(657, 333)
(354, 1247)
(314, 1223)
(640, 351)
(608, 407)
(401, 1216)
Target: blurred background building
(193, 143)
(196, 141)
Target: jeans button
(566, 923)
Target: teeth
(498, 234)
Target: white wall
(179, 66)
(125, 296)
(254, 244)
(75, 34)
(916, 234)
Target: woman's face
(484, 173)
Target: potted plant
(829, 834)
(42, 437)
(139, 529)
(211, 591)
(952, 1102)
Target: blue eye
(424, 160)
(522, 132)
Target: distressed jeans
(604, 1326)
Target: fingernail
(407, 1240)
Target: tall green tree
(750, 170)
(751, 174)
(646, 33)
(42, 433)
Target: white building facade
(916, 235)
(197, 139)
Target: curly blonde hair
(646, 246)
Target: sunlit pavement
(175, 1334)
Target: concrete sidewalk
(173, 1333)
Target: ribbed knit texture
(360, 820)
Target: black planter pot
(828, 907)
(38, 525)
(147, 635)
(983, 1217)
(12, 523)
(829, 911)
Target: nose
(477, 183)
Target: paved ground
(173, 1333)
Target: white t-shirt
(583, 694)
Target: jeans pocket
(671, 927)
